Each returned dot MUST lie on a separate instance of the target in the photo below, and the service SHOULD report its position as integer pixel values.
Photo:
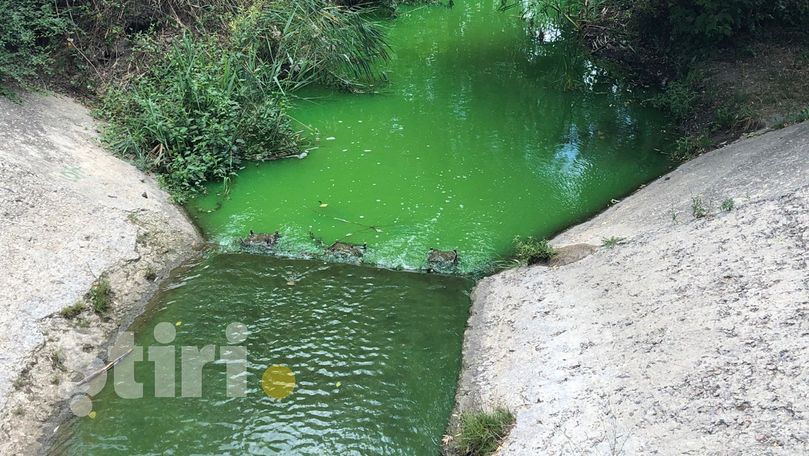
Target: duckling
(265, 240)
(345, 249)
(442, 259)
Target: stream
(482, 134)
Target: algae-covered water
(375, 356)
(482, 134)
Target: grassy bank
(192, 89)
(723, 67)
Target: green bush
(481, 432)
(29, 30)
(679, 26)
(532, 251)
(196, 114)
(207, 104)
(687, 24)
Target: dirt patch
(768, 80)
(71, 213)
(688, 337)
(714, 93)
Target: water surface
(392, 341)
(482, 133)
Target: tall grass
(313, 41)
(482, 432)
(530, 251)
(206, 104)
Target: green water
(391, 339)
(481, 135)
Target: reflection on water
(484, 133)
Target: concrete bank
(69, 214)
(691, 336)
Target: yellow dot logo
(278, 381)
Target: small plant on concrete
(698, 208)
(71, 312)
(728, 205)
(611, 242)
(481, 432)
(532, 251)
(100, 295)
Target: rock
(696, 331)
(83, 210)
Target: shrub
(532, 251)
(100, 295)
(196, 115)
(728, 204)
(690, 146)
(481, 432)
(207, 104)
(698, 208)
(679, 98)
(684, 25)
(29, 29)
